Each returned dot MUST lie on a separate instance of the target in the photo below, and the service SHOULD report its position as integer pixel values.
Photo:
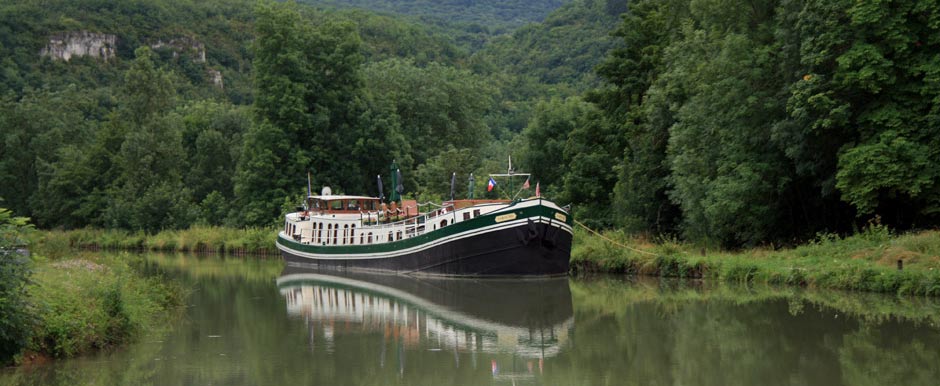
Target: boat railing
(413, 226)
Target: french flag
(490, 185)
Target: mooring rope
(613, 241)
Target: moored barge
(456, 238)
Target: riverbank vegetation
(73, 304)
(199, 239)
(91, 302)
(868, 261)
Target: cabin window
(319, 231)
(398, 235)
(336, 205)
(476, 212)
(335, 234)
(466, 216)
(352, 234)
(362, 238)
(329, 228)
(443, 223)
(353, 205)
(390, 236)
(345, 233)
(370, 237)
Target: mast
(510, 173)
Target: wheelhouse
(343, 204)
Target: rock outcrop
(215, 76)
(66, 45)
(183, 44)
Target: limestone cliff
(64, 46)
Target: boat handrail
(414, 220)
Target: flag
(490, 185)
(538, 192)
(526, 184)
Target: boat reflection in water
(505, 327)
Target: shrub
(15, 318)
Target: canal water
(251, 322)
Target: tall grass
(865, 262)
(205, 239)
(94, 302)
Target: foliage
(198, 238)
(561, 50)
(15, 310)
(739, 127)
(724, 123)
(435, 106)
(863, 262)
(86, 304)
(307, 102)
(434, 176)
(492, 13)
(545, 140)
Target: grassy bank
(204, 239)
(91, 302)
(864, 262)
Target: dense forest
(493, 16)
(732, 123)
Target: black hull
(525, 250)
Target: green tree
(307, 106)
(726, 174)
(15, 317)
(212, 137)
(641, 199)
(148, 192)
(545, 137)
(591, 154)
(433, 177)
(435, 106)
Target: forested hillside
(161, 114)
(494, 16)
(731, 123)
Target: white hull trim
(443, 240)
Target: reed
(201, 239)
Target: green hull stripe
(460, 227)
